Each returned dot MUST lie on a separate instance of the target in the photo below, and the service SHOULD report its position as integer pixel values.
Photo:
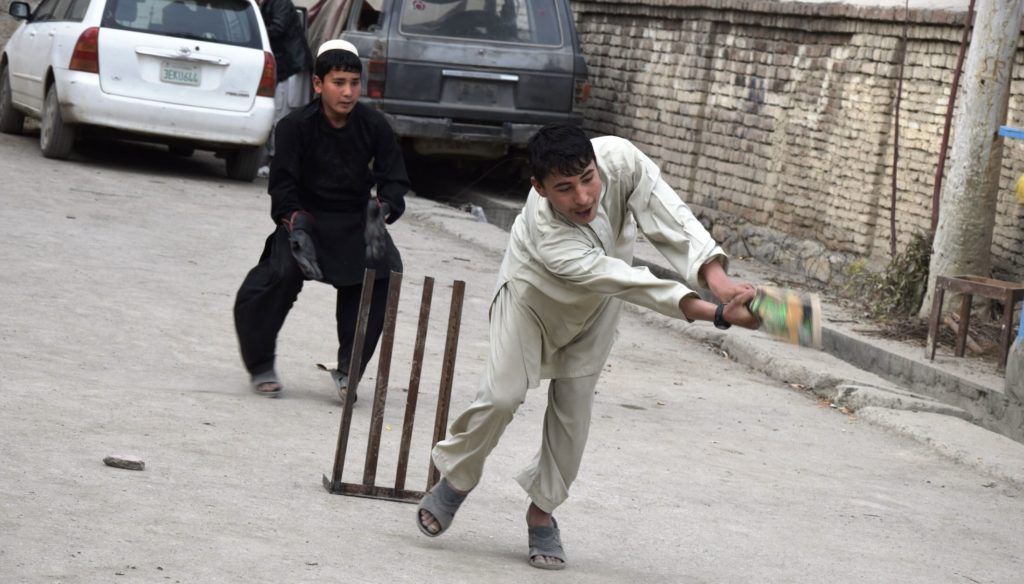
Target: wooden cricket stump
(368, 486)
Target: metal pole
(941, 167)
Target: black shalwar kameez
(327, 172)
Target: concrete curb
(857, 397)
(868, 356)
(952, 437)
(852, 389)
(986, 405)
(824, 375)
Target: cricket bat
(789, 315)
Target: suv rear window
(230, 22)
(532, 22)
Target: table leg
(965, 319)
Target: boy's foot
(545, 540)
(269, 388)
(428, 522)
(341, 384)
(266, 384)
(438, 507)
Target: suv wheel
(55, 137)
(11, 120)
(242, 164)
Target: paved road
(116, 337)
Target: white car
(191, 74)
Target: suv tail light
(582, 90)
(268, 81)
(86, 56)
(376, 76)
(377, 71)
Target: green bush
(899, 289)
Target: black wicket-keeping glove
(300, 239)
(376, 232)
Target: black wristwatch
(720, 318)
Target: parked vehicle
(469, 77)
(191, 74)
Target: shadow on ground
(156, 160)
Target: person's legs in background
(290, 95)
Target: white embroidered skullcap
(337, 44)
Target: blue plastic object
(1008, 132)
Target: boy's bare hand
(721, 285)
(736, 311)
(731, 289)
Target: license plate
(180, 73)
(476, 93)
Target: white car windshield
(231, 22)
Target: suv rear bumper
(151, 118)
(508, 133)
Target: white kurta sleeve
(578, 262)
(669, 224)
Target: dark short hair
(559, 148)
(337, 60)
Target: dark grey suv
(469, 77)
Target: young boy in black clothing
(328, 156)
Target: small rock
(126, 462)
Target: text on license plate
(476, 93)
(180, 73)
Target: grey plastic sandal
(442, 502)
(546, 541)
(341, 384)
(263, 378)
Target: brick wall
(778, 119)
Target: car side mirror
(20, 10)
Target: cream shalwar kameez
(555, 312)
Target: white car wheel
(11, 120)
(55, 137)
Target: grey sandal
(442, 502)
(341, 384)
(546, 541)
(266, 377)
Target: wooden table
(1009, 293)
